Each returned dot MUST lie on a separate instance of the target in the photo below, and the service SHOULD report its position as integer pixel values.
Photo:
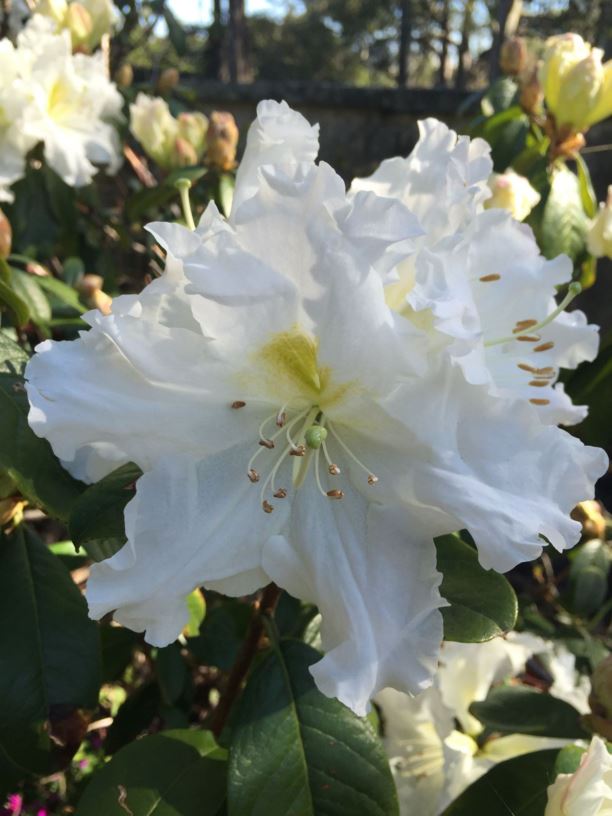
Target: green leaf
(175, 773)
(564, 223)
(50, 650)
(117, 646)
(506, 132)
(63, 293)
(27, 288)
(15, 303)
(171, 672)
(196, 606)
(516, 787)
(591, 385)
(589, 577)
(295, 752)
(221, 635)
(96, 521)
(482, 602)
(585, 187)
(29, 460)
(13, 359)
(524, 710)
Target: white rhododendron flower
(293, 428)
(588, 791)
(512, 192)
(433, 761)
(599, 236)
(481, 281)
(66, 101)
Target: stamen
(299, 450)
(521, 325)
(535, 401)
(573, 290)
(267, 443)
(281, 493)
(545, 346)
(335, 494)
(317, 474)
(489, 278)
(525, 367)
(332, 468)
(524, 338)
(267, 507)
(272, 438)
(183, 185)
(253, 475)
(238, 404)
(350, 453)
(539, 383)
(281, 418)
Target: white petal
(192, 523)
(374, 580)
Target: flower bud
(577, 86)
(513, 193)
(124, 75)
(6, 236)
(589, 514)
(90, 289)
(599, 236)
(80, 25)
(222, 141)
(184, 154)
(168, 81)
(104, 15)
(513, 57)
(53, 9)
(531, 94)
(155, 128)
(192, 127)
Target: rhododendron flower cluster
(319, 385)
(65, 101)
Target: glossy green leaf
(62, 293)
(28, 459)
(482, 602)
(50, 659)
(588, 582)
(564, 223)
(295, 752)
(174, 773)
(96, 521)
(10, 298)
(196, 606)
(28, 289)
(13, 359)
(516, 787)
(221, 634)
(525, 710)
(585, 187)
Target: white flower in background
(87, 21)
(588, 791)
(599, 237)
(14, 144)
(293, 428)
(512, 192)
(481, 282)
(433, 761)
(74, 107)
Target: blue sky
(200, 11)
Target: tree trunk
(5, 16)
(445, 23)
(237, 42)
(463, 56)
(404, 43)
(508, 17)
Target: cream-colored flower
(154, 126)
(577, 86)
(599, 237)
(588, 791)
(513, 193)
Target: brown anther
(521, 325)
(544, 346)
(549, 371)
(267, 507)
(238, 404)
(334, 470)
(372, 479)
(281, 493)
(539, 383)
(489, 278)
(525, 367)
(300, 450)
(253, 475)
(539, 401)
(266, 443)
(528, 338)
(281, 418)
(335, 494)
